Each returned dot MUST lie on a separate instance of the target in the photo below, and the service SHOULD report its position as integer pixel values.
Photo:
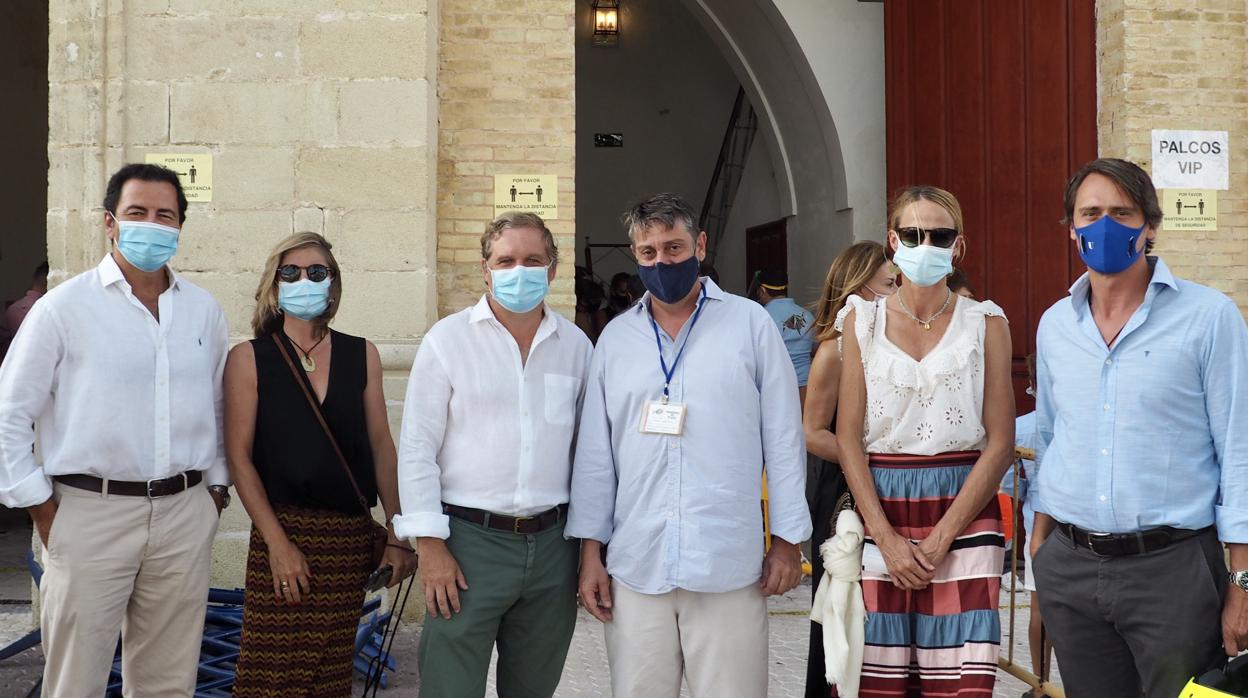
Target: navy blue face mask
(1108, 246)
(670, 282)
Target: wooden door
(996, 102)
(766, 247)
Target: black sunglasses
(291, 272)
(939, 237)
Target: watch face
(1240, 579)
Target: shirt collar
(110, 273)
(1162, 276)
(713, 292)
(482, 311)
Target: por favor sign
(1191, 159)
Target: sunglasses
(291, 272)
(939, 237)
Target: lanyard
(668, 373)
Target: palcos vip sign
(1191, 167)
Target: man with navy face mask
(1140, 427)
(119, 369)
(485, 459)
(691, 392)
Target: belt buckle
(163, 479)
(515, 523)
(1094, 537)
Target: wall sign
(536, 193)
(1191, 159)
(1189, 209)
(194, 171)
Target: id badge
(667, 419)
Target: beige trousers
(129, 565)
(719, 641)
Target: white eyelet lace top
(926, 407)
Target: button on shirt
(481, 429)
(796, 324)
(684, 511)
(111, 391)
(1153, 432)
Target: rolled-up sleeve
(1226, 402)
(594, 480)
(218, 473)
(420, 439)
(784, 442)
(27, 378)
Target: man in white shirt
(119, 369)
(485, 462)
(690, 393)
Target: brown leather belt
(1120, 544)
(150, 489)
(520, 525)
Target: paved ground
(585, 675)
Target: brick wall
(1174, 65)
(506, 88)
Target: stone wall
(507, 89)
(320, 115)
(1167, 65)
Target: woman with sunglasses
(925, 430)
(860, 270)
(311, 538)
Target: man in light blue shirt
(1141, 420)
(794, 322)
(689, 393)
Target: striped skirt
(308, 649)
(942, 640)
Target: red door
(996, 102)
(766, 247)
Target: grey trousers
(1132, 625)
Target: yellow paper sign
(194, 171)
(1189, 209)
(532, 192)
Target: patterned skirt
(942, 640)
(308, 649)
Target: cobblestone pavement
(585, 674)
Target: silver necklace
(927, 324)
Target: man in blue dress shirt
(690, 392)
(1141, 419)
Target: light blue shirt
(1024, 436)
(796, 324)
(684, 511)
(1153, 432)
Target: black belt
(1119, 544)
(150, 489)
(522, 525)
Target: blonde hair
(926, 192)
(850, 272)
(267, 317)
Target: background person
(311, 540)
(17, 310)
(925, 430)
(860, 270)
(795, 323)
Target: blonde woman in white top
(925, 430)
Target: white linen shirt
(112, 392)
(483, 430)
(684, 512)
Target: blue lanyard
(668, 373)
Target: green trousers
(521, 595)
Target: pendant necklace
(306, 360)
(927, 324)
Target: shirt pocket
(561, 394)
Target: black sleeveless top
(291, 452)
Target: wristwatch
(1240, 579)
(224, 493)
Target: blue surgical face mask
(520, 289)
(924, 265)
(147, 246)
(304, 299)
(670, 283)
(1108, 246)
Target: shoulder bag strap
(316, 410)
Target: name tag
(667, 419)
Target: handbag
(379, 534)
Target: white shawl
(838, 604)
